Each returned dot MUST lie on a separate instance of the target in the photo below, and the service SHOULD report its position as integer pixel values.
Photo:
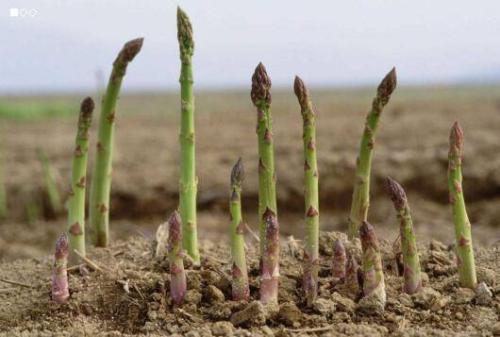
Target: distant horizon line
(140, 90)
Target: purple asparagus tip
(261, 86)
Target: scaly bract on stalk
(411, 261)
(178, 284)
(101, 177)
(463, 235)
(361, 193)
(76, 201)
(240, 289)
(311, 254)
(188, 180)
(60, 288)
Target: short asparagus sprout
(373, 273)
(101, 178)
(270, 260)
(351, 275)
(339, 260)
(361, 193)
(49, 178)
(411, 261)
(60, 288)
(311, 262)
(76, 201)
(188, 181)
(261, 98)
(175, 255)
(240, 289)
(463, 235)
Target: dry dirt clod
(371, 305)
(464, 295)
(483, 294)
(289, 314)
(254, 314)
(429, 298)
(213, 294)
(343, 303)
(222, 329)
(324, 306)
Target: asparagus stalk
(240, 289)
(311, 192)
(50, 182)
(361, 193)
(101, 179)
(373, 274)
(175, 256)
(339, 260)
(188, 181)
(411, 261)
(463, 235)
(270, 259)
(76, 202)
(60, 288)
(351, 274)
(261, 98)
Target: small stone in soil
(483, 294)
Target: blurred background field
(411, 147)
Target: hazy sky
(326, 42)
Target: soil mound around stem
(129, 296)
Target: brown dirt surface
(130, 296)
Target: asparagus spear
(101, 179)
(339, 261)
(76, 202)
(373, 274)
(411, 261)
(311, 191)
(50, 182)
(261, 98)
(175, 256)
(463, 235)
(240, 289)
(361, 193)
(270, 259)
(351, 275)
(60, 288)
(188, 181)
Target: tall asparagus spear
(60, 288)
(50, 182)
(465, 252)
(261, 98)
(101, 178)
(373, 284)
(188, 182)
(270, 268)
(311, 192)
(76, 202)
(240, 289)
(411, 261)
(361, 193)
(177, 274)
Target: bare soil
(130, 296)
